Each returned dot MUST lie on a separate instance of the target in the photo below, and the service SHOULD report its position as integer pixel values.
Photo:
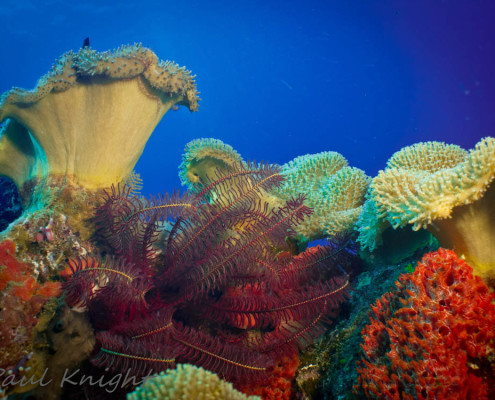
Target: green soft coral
(444, 189)
(187, 382)
(334, 190)
(202, 157)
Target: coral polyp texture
(90, 103)
(205, 280)
(187, 382)
(21, 300)
(442, 188)
(280, 383)
(334, 190)
(432, 337)
(202, 158)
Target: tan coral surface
(453, 198)
(91, 116)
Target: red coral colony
(432, 337)
(21, 299)
(204, 279)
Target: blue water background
(280, 79)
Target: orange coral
(15, 276)
(433, 336)
(279, 383)
(22, 299)
(10, 268)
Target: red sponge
(433, 337)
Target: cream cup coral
(90, 117)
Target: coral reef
(442, 188)
(21, 299)
(135, 182)
(328, 367)
(369, 225)
(20, 159)
(54, 145)
(62, 339)
(433, 336)
(56, 224)
(428, 156)
(89, 103)
(187, 382)
(220, 294)
(398, 246)
(217, 287)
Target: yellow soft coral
(187, 382)
(90, 117)
(454, 198)
(202, 157)
(428, 156)
(334, 191)
(19, 157)
(313, 168)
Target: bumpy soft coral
(433, 336)
(444, 189)
(21, 300)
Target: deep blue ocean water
(280, 79)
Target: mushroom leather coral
(433, 337)
(18, 156)
(90, 103)
(442, 188)
(202, 157)
(335, 193)
(216, 294)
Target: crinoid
(204, 278)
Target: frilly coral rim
(126, 62)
